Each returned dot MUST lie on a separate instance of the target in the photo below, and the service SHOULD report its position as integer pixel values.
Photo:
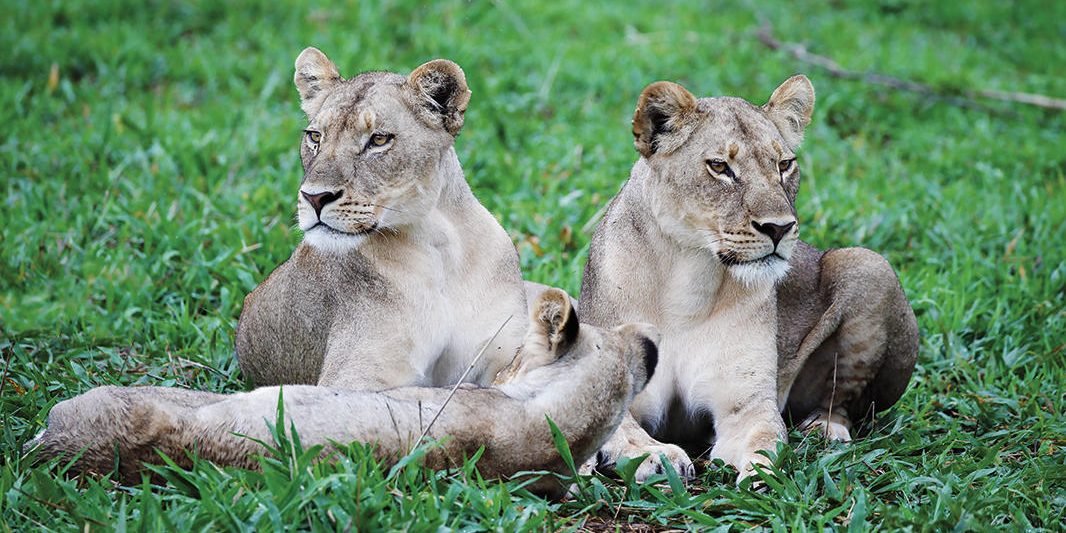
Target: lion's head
(557, 340)
(374, 146)
(723, 171)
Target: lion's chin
(327, 239)
(767, 270)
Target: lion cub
(697, 242)
(581, 376)
(402, 274)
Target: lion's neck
(455, 191)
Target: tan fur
(584, 382)
(689, 249)
(403, 276)
(842, 313)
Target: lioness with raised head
(696, 243)
(402, 275)
(582, 377)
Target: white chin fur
(760, 272)
(328, 241)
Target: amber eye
(314, 136)
(380, 139)
(785, 165)
(717, 166)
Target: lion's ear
(440, 88)
(790, 108)
(315, 73)
(553, 327)
(553, 321)
(663, 110)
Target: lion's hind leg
(865, 365)
(129, 421)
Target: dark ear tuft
(440, 88)
(651, 356)
(663, 109)
(571, 327)
(314, 73)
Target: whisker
(385, 236)
(386, 207)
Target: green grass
(149, 185)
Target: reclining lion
(580, 376)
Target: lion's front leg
(373, 358)
(743, 430)
(355, 369)
(743, 403)
(630, 440)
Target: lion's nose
(776, 232)
(322, 199)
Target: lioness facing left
(402, 275)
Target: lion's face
(373, 148)
(724, 174)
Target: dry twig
(458, 383)
(800, 52)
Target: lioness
(402, 274)
(583, 377)
(696, 242)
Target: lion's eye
(785, 165)
(717, 166)
(380, 139)
(314, 136)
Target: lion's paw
(653, 464)
(833, 427)
(747, 468)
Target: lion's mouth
(729, 258)
(322, 226)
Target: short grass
(149, 164)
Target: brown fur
(843, 308)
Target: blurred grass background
(150, 160)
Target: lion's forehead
(739, 129)
(346, 106)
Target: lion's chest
(425, 297)
(454, 300)
(704, 357)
